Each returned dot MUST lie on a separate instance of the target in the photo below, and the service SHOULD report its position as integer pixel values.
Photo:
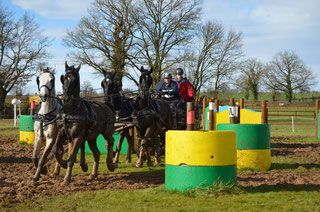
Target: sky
(267, 26)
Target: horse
(82, 121)
(146, 116)
(123, 107)
(45, 125)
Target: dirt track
(16, 171)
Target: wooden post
(264, 110)
(211, 115)
(241, 103)
(131, 133)
(317, 114)
(204, 105)
(190, 116)
(233, 119)
(32, 108)
(216, 104)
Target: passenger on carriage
(185, 88)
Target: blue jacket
(169, 90)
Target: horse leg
(96, 154)
(59, 146)
(109, 147)
(71, 160)
(157, 158)
(83, 164)
(118, 149)
(130, 136)
(37, 146)
(46, 152)
(143, 149)
(57, 166)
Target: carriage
(81, 120)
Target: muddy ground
(16, 171)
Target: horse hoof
(139, 163)
(128, 161)
(150, 163)
(44, 170)
(91, 177)
(35, 179)
(111, 166)
(65, 182)
(84, 167)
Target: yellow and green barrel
(253, 145)
(26, 129)
(200, 159)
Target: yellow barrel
(200, 159)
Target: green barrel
(250, 136)
(183, 178)
(253, 145)
(26, 123)
(101, 144)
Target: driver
(169, 89)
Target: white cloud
(56, 9)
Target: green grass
(216, 198)
(264, 198)
(7, 128)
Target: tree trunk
(3, 95)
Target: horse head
(70, 84)
(145, 82)
(109, 84)
(46, 82)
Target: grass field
(217, 198)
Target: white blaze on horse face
(45, 85)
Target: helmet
(167, 76)
(179, 71)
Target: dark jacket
(169, 91)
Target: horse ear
(62, 79)
(141, 69)
(53, 69)
(66, 65)
(38, 81)
(41, 67)
(103, 72)
(114, 74)
(78, 69)
(151, 70)
(102, 85)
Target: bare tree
(87, 89)
(104, 37)
(21, 49)
(228, 53)
(162, 26)
(287, 73)
(201, 60)
(250, 77)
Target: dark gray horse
(123, 107)
(83, 121)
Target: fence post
(216, 104)
(204, 104)
(211, 115)
(264, 110)
(32, 108)
(190, 116)
(317, 114)
(234, 117)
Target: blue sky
(268, 26)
